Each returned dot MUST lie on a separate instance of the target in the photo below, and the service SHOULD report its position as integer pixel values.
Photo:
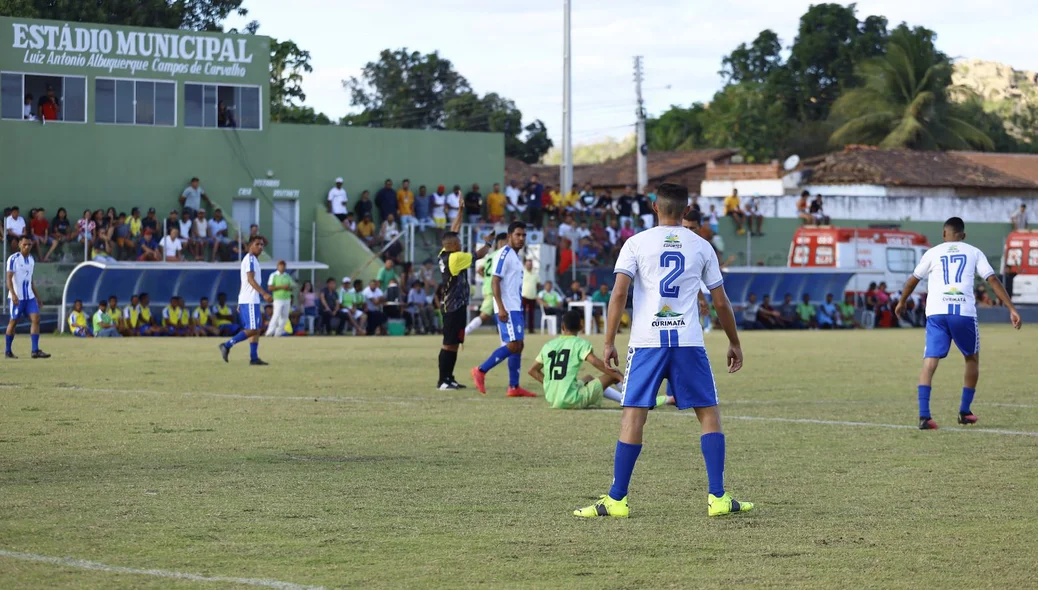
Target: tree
(536, 141)
(678, 128)
(288, 63)
(904, 102)
(755, 63)
(302, 115)
(195, 15)
(745, 117)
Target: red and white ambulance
(886, 254)
(1020, 261)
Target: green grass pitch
(340, 466)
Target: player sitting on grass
(563, 357)
(951, 313)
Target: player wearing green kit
(486, 309)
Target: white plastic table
(588, 306)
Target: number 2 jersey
(562, 358)
(948, 270)
(668, 265)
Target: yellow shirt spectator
(496, 204)
(556, 198)
(731, 203)
(571, 199)
(405, 202)
(365, 229)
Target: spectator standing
(374, 299)
(331, 307)
(733, 209)
(1019, 219)
(27, 113)
(535, 191)
(512, 196)
(170, 246)
(807, 312)
(280, 285)
(385, 200)
(645, 210)
(308, 301)
(104, 326)
(496, 205)
(454, 202)
(387, 273)
(338, 201)
(41, 235)
(550, 300)
(529, 293)
(754, 216)
(438, 206)
(364, 207)
(625, 208)
(566, 256)
(422, 211)
(48, 108)
(14, 228)
(192, 197)
(828, 314)
(405, 204)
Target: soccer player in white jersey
(951, 313)
(21, 291)
(250, 304)
(667, 264)
(507, 285)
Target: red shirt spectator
(40, 226)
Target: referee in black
(454, 299)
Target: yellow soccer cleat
(605, 506)
(725, 505)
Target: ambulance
(878, 254)
(1020, 265)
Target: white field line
(115, 569)
(879, 425)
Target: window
(800, 254)
(824, 256)
(23, 96)
(212, 106)
(1032, 257)
(1014, 256)
(900, 260)
(135, 102)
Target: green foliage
(288, 63)
(744, 115)
(299, 115)
(756, 62)
(678, 128)
(904, 103)
(195, 15)
(595, 153)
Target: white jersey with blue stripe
(669, 265)
(248, 295)
(948, 270)
(22, 267)
(508, 266)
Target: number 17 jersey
(668, 266)
(948, 270)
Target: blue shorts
(80, 332)
(942, 330)
(25, 307)
(251, 316)
(686, 369)
(512, 330)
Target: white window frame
(86, 95)
(259, 91)
(176, 102)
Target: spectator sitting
(588, 253)
(148, 248)
(337, 201)
(120, 322)
(374, 299)
(149, 325)
(750, 311)
(385, 200)
(170, 246)
(421, 209)
(882, 298)
(77, 321)
(768, 316)
(846, 318)
(172, 220)
(135, 222)
(550, 300)
(223, 317)
(587, 200)
(600, 296)
(983, 299)
(803, 212)
(576, 292)
(366, 231)
(27, 113)
(101, 254)
(364, 206)
(626, 232)
(61, 227)
(496, 205)
(405, 204)
(828, 313)
(817, 212)
(41, 235)
(103, 235)
(427, 274)
(713, 221)
(420, 309)
(352, 298)
(605, 206)
(807, 312)
(308, 301)
(104, 326)
(14, 228)
(350, 223)
(388, 234)
(754, 216)
(203, 237)
(788, 313)
(131, 315)
(171, 318)
(551, 233)
(331, 307)
(551, 201)
(123, 240)
(734, 210)
(191, 198)
(203, 319)
(568, 229)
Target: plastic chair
(550, 322)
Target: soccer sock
(10, 339)
(239, 337)
(514, 362)
(924, 401)
(442, 363)
(36, 346)
(613, 394)
(712, 445)
(967, 399)
(254, 350)
(474, 325)
(495, 359)
(623, 467)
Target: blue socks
(514, 361)
(495, 359)
(239, 337)
(924, 400)
(254, 350)
(36, 346)
(713, 453)
(623, 467)
(967, 399)
(10, 339)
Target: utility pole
(643, 148)
(566, 172)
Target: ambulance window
(1014, 256)
(1032, 258)
(900, 260)
(824, 256)
(800, 254)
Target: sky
(515, 48)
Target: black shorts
(454, 327)
(340, 216)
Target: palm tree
(904, 101)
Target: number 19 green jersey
(562, 358)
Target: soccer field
(340, 466)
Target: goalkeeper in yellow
(558, 365)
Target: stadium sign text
(112, 50)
